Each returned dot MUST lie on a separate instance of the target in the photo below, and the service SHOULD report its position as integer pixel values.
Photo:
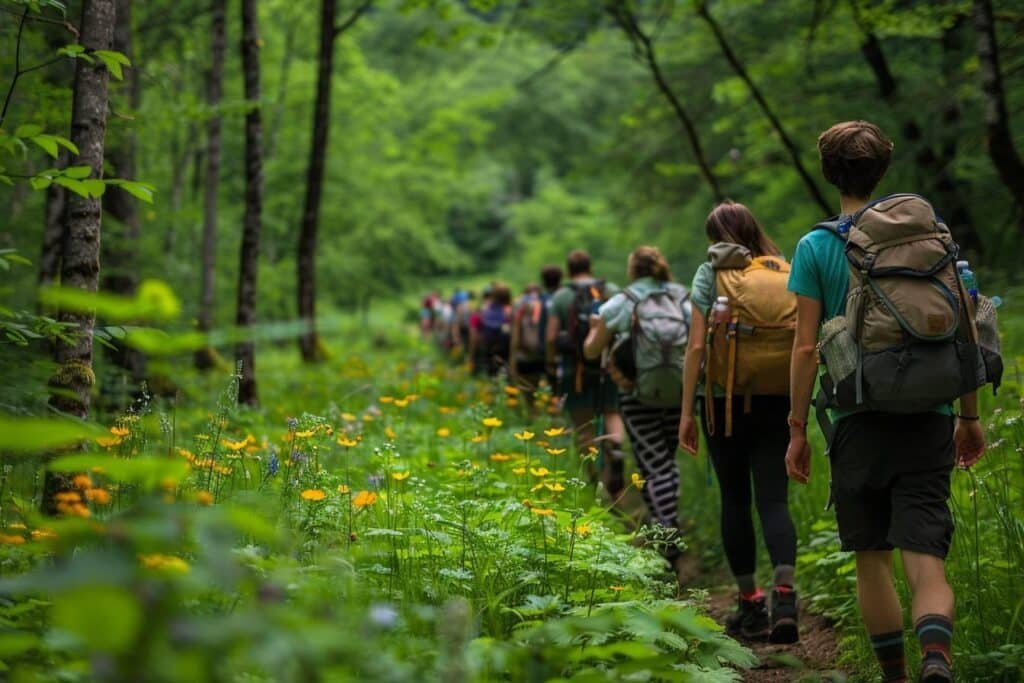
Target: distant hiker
(551, 280)
(496, 330)
(737, 365)
(526, 365)
(649, 323)
(589, 396)
(462, 303)
(476, 354)
(896, 361)
(428, 314)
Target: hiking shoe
(785, 617)
(935, 669)
(750, 620)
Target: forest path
(812, 659)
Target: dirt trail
(817, 650)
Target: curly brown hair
(648, 262)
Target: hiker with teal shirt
(895, 361)
(649, 323)
(743, 321)
(588, 395)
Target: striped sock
(888, 649)
(935, 632)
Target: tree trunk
(791, 148)
(121, 252)
(999, 140)
(309, 341)
(71, 385)
(206, 357)
(245, 350)
(53, 230)
(645, 48)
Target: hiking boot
(935, 669)
(750, 620)
(784, 618)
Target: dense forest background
(481, 136)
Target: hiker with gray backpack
(643, 330)
(902, 340)
(737, 371)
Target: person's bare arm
(969, 437)
(802, 375)
(554, 326)
(689, 440)
(597, 339)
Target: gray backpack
(658, 334)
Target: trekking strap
(731, 379)
(709, 389)
(824, 422)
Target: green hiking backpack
(907, 342)
(658, 335)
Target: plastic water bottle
(720, 313)
(968, 278)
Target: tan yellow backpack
(749, 354)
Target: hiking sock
(785, 576)
(935, 633)
(888, 649)
(747, 584)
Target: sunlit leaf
(37, 434)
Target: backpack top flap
(900, 235)
(659, 317)
(900, 252)
(758, 294)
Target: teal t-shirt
(820, 271)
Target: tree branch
(787, 142)
(17, 67)
(352, 18)
(644, 49)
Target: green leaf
(153, 300)
(14, 644)
(28, 130)
(150, 471)
(36, 434)
(76, 186)
(48, 144)
(106, 618)
(143, 191)
(78, 172)
(95, 187)
(113, 61)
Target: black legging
(756, 450)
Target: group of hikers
(875, 301)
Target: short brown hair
(502, 294)
(648, 262)
(854, 157)
(578, 263)
(551, 276)
(733, 222)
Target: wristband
(968, 418)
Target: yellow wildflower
(512, 391)
(11, 539)
(511, 402)
(637, 481)
(68, 497)
(617, 589)
(556, 431)
(204, 498)
(313, 494)
(411, 398)
(82, 481)
(347, 442)
(519, 470)
(540, 471)
(368, 418)
(500, 457)
(582, 529)
(446, 410)
(42, 534)
(343, 489)
(555, 451)
(400, 476)
(524, 435)
(164, 562)
(305, 434)
(401, 403)
(479, 438)
(98, 496)
(348, 417)
(444, 432)
(492, 422)
(108, 441)
(365, 499)
(556, 487)
(119, 431)
(234, 445)
(592, 450)
(544, 512)
(390, 433)
(386, 399)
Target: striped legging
(654, 433)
